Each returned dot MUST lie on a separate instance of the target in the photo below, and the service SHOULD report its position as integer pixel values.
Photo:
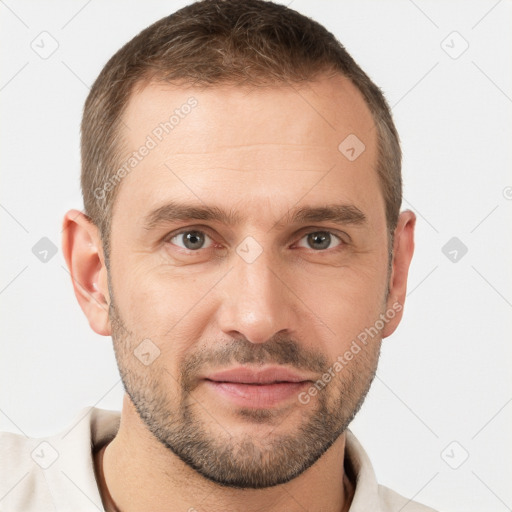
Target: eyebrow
(174, 211)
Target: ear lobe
(403, 249)
(83, 253)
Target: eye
(321, 240)
(192, 240)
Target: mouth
(257, 388)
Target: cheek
(165, 305)
(346, 303)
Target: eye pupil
(193, 240)
(319, 240)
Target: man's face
(257, 290)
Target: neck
(135, 471)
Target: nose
(257, 302)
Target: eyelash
(169, 237)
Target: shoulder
(22, 478)
(391, 501)
(55, 472)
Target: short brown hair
(214, 42)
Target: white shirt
(56, 473)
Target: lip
(267, 375)
(257, 388)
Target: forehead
(247, 146)
(326, 107)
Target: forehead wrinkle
(254, 145)
(254, 157)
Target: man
(243, 245)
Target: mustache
(278, 350)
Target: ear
(83, 252)
(403, 249)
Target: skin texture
(259, 153)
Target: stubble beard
(206, 445)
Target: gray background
(443, 390)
